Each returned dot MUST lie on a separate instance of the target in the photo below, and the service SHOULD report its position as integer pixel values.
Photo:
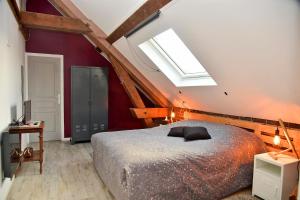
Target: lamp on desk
(276, 141)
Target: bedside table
(274, 179)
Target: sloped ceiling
(250, 47)
(108, 14)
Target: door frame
(62, 103)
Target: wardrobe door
(99, 99)
(80, 103)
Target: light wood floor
(68, 174)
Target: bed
(146, 164)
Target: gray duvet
(146, 164)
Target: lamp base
(275, 155)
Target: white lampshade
(172, 114)
(276, 140)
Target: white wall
(251, 48)
(12, 47)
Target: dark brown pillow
(177, 131)
(195, 133)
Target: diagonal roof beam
(52, 22)
(130, 88)
(16, 11)
(143, 13)
(98, 37)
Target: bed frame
(265, 132)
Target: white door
(44, 93)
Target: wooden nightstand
(274, 179)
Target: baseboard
(65, 139)
(5, 188)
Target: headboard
(265, 132)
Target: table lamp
(276, 141)
(166, 119)
(172, 116)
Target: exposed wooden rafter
(146, 113)
(15, 9)
(130, 88)
(16, 12)
(52, 22)
(98, 37)
(145, 11)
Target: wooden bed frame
(265, 132)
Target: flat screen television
(27, 112)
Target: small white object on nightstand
(274, 179)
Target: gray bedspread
(146, 164)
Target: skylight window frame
(165, 54)
(168, 66)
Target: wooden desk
(37, 154)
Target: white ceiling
(108, 14)
(250, 47)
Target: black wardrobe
(89, 102)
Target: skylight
(176, 61)
(175, 49)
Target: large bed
(147, 164)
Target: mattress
(147, 164)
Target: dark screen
(27, 111)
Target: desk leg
(20, 140)
(41, 150)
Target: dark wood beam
(52, 22)
(127, 83)
(98, 37)
(144, 12)
(15, 9)
(130, 88)
(137, 76)
(16, 12)
(145, 113)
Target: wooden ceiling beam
(52, 22)
(98, 37)
(130, 88)
(149, 8)
(137, 76)
(15, 9)
(146, 113)
(16, 12)
(127, 83)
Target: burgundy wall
(78, 51)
